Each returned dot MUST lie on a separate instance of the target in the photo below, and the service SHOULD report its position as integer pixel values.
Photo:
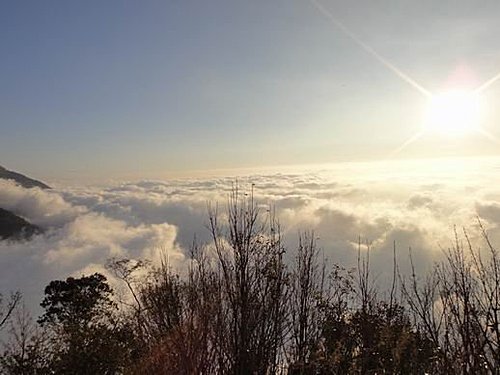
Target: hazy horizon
(114, 90)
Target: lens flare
(453, 113)
(450, 113)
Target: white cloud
(75, 238)
(41, 207)
(414, 205)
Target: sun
(453, 113)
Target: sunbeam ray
(487, 84)
(405, 77)
(406, 143)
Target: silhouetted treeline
(239, 308)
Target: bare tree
(27, 351)
(7, 307)
(306, 299)
(458, 305)
(253, 286)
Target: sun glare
(453, 113)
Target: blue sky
(139, 89)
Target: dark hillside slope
(15, 227)
(21, 179)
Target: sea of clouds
(413, 204)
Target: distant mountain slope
(15, 227)
(21, 179)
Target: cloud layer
(412, 204)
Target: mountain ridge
(21, 179)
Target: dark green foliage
(370, 342)
(87, 337)
(377, 338)
(77, 302)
